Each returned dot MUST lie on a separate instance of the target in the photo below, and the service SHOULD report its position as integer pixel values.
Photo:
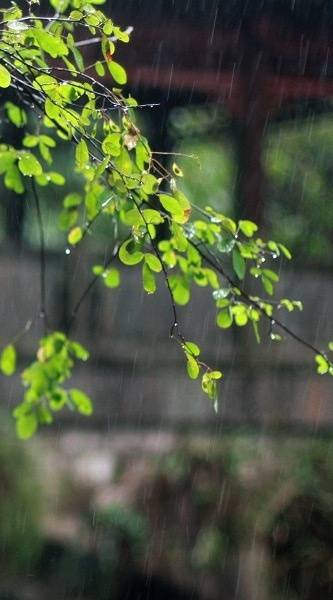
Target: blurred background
(155, 496)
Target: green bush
(20, 503)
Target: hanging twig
(91, 285)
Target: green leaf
(111, 278)
(76, 15)
(153, 262)
(192, 348)
(100, 70)
(98, 269)
(215, 374)
(298, 304)
(172, 206)
(120, 35)
(8, 360)
(180, 240)
(111, 144)
(58, 399)
(51, 44)
(152, 216)
(67, 219)
(56, 178)
(285, 251)
(248, 228)
(267, 284)
(149, 182)
(75, 235)
(129, 253)
(330, 346)
(81, 401)
(323, 364)
(148, 279)
(180, 289)
(224, 319)
(26, 426)
(208, 384)
(13, 180)
(16, 114)
(108, 27)
(177, 170)
(72, 200)
(238, 263)
(288, 304)
(192, 366)
(5, 77)
(118, 72)
(79, 351)
(270, 274)
(240, 314)
(29, 165)
(81, 155)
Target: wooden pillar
(14, 203)
(251, 126)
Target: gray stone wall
(137, 375)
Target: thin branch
(90, 41)
(175, 324)
(91, 285)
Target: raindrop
(190, 230)
(67, 251)
(221, 293)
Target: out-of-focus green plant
(299, 211)
(20, 504)
(118, 524)
(212, 498)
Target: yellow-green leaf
(8, 360)
(129, 253)
(118, 72)
(5, 77)
(75, 236)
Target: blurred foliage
(97, 567)
(20, 504)
(191, 512)
(202, 135)
(212, 497)
(121, 525)
(298, 158)
(299, 163)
